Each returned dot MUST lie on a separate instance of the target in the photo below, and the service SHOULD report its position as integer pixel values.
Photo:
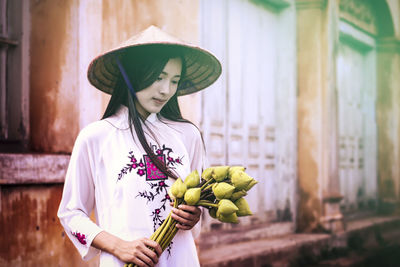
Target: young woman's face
(153, 98)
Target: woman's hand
(138, 251)
(187, 216)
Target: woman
(122, 166)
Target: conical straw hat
(202, 67)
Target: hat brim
(202, 67)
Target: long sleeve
(78, 200)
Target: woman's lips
(159, 101)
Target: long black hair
(143, 66)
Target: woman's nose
(165, 87)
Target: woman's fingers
(154, 245)
(187, 216)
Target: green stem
(207, 183)
(161, 235)
(205, 203)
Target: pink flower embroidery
(81, 237)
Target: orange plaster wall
(309, 116)
(53, 90)
(30, 230)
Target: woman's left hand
(187, 216)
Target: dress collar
(120, 118)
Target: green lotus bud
(231, 218)
(192, 196)
(251, 184)
(240, 180)
(226, 207)
(220, 173)
(222, 190)
(213, 213)
(235, 169)
(170, 194)
(178, 189)
(236, 195)
(207, 173)
(243, 206)
(192, 180)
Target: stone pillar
(388, 122)
(319, 195)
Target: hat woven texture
(202, 67)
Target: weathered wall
(53, 75)
(66, 36)
(388, 119)
(312, 43)
(31, 234)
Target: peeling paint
(30, 230)
(53, 112)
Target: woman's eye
(159, 78)
(175, 82)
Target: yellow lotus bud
(192, 196)
(170, 194)
(222, 190)
(243, 206)
(207, 173)
(213, 213)
(240, 180)
(231, 218)
(226, 207)
(178, 189)
(235, 169)
(220, 173)
(192, 180)
(251, 184)
(236, 195)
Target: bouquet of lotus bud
(221, 190)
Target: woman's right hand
(139, 252)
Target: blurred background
(308, 101)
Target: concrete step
(358, 243)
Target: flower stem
(206, 203)
(207, 183)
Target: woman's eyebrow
(165, 73)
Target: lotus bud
(243, 206)
(178, 189)
(207, 173)
(234, 169)
(192, 196)
(251, 184)
(240, 180)
(223, 190)
(170, 194)
(213, 213)
(220, 173)
(231, 218)
(192, 180)
(226, 207)
(236, 195)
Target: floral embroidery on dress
(81, 237)
(155, 178)
(145, 166)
